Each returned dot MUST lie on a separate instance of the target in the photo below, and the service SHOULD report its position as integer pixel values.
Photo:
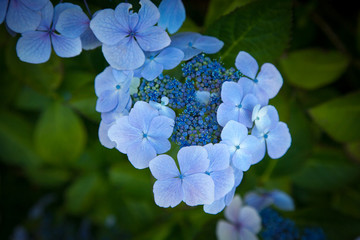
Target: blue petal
(151, 70)
(193, 159)
(107, 101)
(238, 178)
(172, 15)
(260, 94)
(89, 40)
(148, 16)
(270, 79)
(250, 219)
(161, 145)
(124, 134)
(185, 41)
(126, 55)
(103, 135)
(163, 167)
(35, 5)
(254, 146)
(215, 207)
(168, 193)
(266, 118)
(47, 14)
(208, 44)
(242, 159)
(278, 141)
(258, 201)
(224, 181)
(3, 9)
(66, 47)
(140, 154)
(170, 57)
(61, 7)
(34, 47)
(234, 132)
(282, 200)
(244, 233)
(163, 110)
(106, 28)
(226, 231)
(72, 23)
(153, 39)
(112, 116)
(198, 189)
(141, 116)
(20, 18)
(231, 93)
(233, 210)
(225, 113)
(126, 19)
(161, 127)
(219, 156)
(104, 81)
(247, 64)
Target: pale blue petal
(66, 47)
(20, 18)
(266, 118)
(198, 189)
(232, 211)
(282, 200)
(151, 70)
(270, 79)
(249, 218)
(34, 47)
(202, 97)
(141, 116)
(106, 28)
(246, 84)
(126, 20)
(278, 141)
(224, 181)
(170, 57)
(35, 4)
(112, 116)
(89, 40)
(231, 93)
(59, 8)
(126, 55)
(168, 193)
(260, 94)
(184, 41)
(249, 102)
(103, 135)
(161, 127)
(163, 110)
(219, 156)
(208, 44)
(238, 178)
(242, 159)
(172, 15)
(260, 153)
(163, 167)
(230, 196)
(47, 14)
(258, 201)
(104, 81)
(107, 101)
(140, 154)
(234, 132)
(148, 16)
(245, 234)
(124, 134)
(161, 145)
(215, 207)
(245, 117)
(225, 113)
(72, 23)
(123, 77)
(153, 39)
(226, 231)
(246, 64)
(193, 159)
(254, 146)
(3, 9)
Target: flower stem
(87, 7)
(268, 171)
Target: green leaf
(313, 68)
(326, 170)
(28, 99)
(261, 28)
(48, 177)
(59, 135)
(353, 149)
(84, 101)
(339, 117)
(348, 203)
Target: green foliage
(260, 28)
(313, 68)
(339, 117)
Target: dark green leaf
(348, 203)
(353, 150)
(261, 28)
(313, 68)
(28, 99)
(48, 177)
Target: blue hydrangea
(172, 15)
(35, 46)
(163, 109)
(126, 35)
(261, 199)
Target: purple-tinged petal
(66, 47)
(104, 137)
(107, 101)
(126, 19)
(258, 201)
(244, 233)
(47, 15)
(153, 39)
(232, 211)
(89, 40)
(61, 7)
(104, 81)
(208, 44)
(193, 159)
(270, 79)
(161, 127)
(246, 64)
(126, 55)
(72, 23)
(250, 219)
(141, 116)
(170, 57)
(140, 154)
(278, 140)
(164, 167)
(225, 113)
(172, 15)
(226, 231)
(215, 207)
(148, 16)
(151, 70)
(231, 93)
(242, 159)
(34, 47)
(124, 134)
(198, 189)
(282, 200)
(106, 28)
(234, 132)
(224, 181)
(168, 193)
(3, 9)
(20, 18)
(218, 155)
(35, 5)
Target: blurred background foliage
(58, 182)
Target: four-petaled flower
(262, 199)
